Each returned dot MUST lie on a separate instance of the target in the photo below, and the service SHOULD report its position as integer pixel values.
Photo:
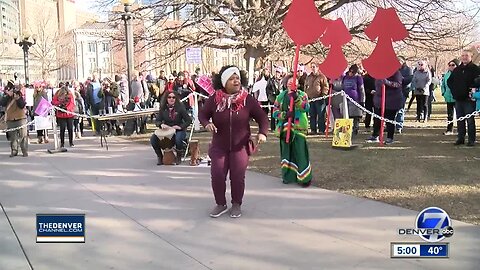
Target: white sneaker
(372, 139)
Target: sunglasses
(171, 97)
(452, 65)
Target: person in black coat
(461, 83)
(172, 114)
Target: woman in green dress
(294, 154)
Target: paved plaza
(142, 216)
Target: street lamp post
(127, 17)
(25, 43)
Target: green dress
(295, 162)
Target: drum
(165, 135)
(169, 157)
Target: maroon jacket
(236, 123)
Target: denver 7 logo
(433, 218)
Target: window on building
(93, 64)
(105, 47)
(235, 60)
(106, 64)
(91, 47)
(225, 60)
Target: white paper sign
(50, 95)
(29, 96)
(261, 86)
(251, 71)
(194, 55)
(43, 122)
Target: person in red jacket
(65, 100)
(227, 115)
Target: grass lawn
(422, 168)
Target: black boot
(159, 156)
(180, 154)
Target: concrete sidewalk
(142, 216)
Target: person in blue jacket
(447, 94)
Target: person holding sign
(393, 103)
(40, 93)
(296, 166)
(230, 110)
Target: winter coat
(233, 128)
(461, 80)
(353, 87)
(422, 80)
(79, 104)
(393, 92)
(67, 104)
(316, 85)
(476, 96)
(181, 119)
(14, 110)
(136, 90)
(111, 95)
(94, 95)
(407, 74)
(446, 91)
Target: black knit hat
(455, 61)
(353, 68)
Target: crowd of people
(228, 110)
(418, 82)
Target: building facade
(9, 29)
(85, 51)
(9, 26)
(48, 20)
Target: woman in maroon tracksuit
(230, 110)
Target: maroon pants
(223, 162)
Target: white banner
(29, 96)
(193, 55)
(42, 123)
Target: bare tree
(256, 25)
(45, 49)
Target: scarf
(171, 112)
(234, 102)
